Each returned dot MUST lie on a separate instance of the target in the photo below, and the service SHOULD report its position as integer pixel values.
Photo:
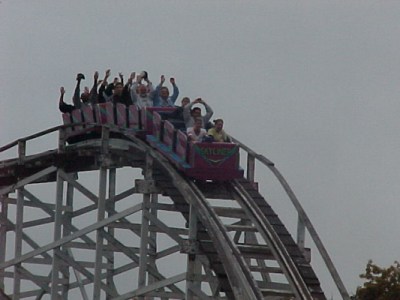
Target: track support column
(109, 254)
(67, 223)
(3, 233)
(193, 263)
(57, 236)
(18, 242)
(101, 205)
(153, 237)
(144, 234)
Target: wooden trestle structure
(82, 222)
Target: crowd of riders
(139, 90)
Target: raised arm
(93, 97)
(62, 106)
(133, 87)
(156, 95)
(126, 96)
(175, 93)
(209, 112)
(187, 112)
(76, 99)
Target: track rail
(277, 247)
(304, 221)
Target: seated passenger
(178, 113)
(196, 133)
(121, 94)
(190, 114)
(93, 94)
(115, 92)
(162, 97)
(142, 95)
(87, 97)
(105, 90)
(218, 133)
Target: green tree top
(381, 283)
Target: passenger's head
(142, 90)
(85, 95)
(185, 101)
(218, 124)
(118, 87)
(198, 123)
(164, 93)
(196, 112)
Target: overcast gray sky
(312, 85)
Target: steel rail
(303, 216)
(271, 237)
(230, 256)
(245, 270)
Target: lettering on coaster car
(215, 156)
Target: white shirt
(194, 137)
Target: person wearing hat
(79, 100)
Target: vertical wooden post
(153, 237)
(18, 241)
(193, 263)
(251, 165)
(101, 213)
(109, 254)
(301, 233)
(144, 234)
(3, 233)
(21, 151)
(67, 223)
(57, 236)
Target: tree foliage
(381, 283)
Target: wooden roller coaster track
(158, 236)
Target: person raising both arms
(80, 100)
(162, 97)
(142, 94)
(189, 114)
(119, 91)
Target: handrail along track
(304, 221)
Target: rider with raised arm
(162, 97)
(190, 114)
(142, 94)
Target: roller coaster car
(201, 160)
(157, 126)
(87, 118)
